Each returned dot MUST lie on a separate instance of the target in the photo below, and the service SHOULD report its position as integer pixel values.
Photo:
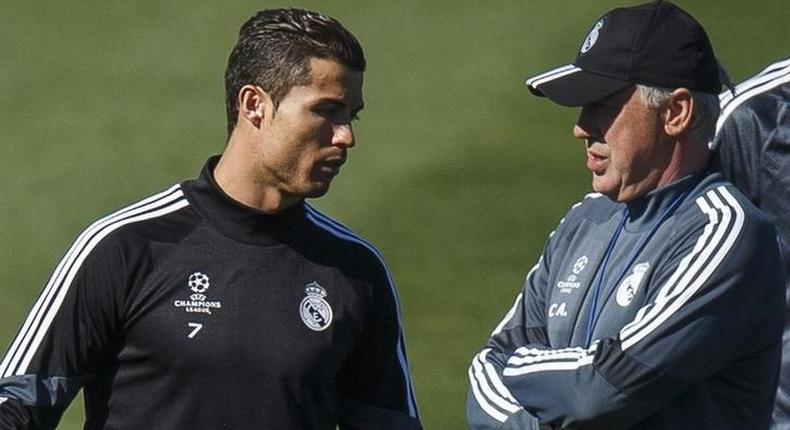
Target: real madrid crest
(630, 285)
(592, 37)
(314, 310)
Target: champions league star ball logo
(314, 310)
(580, 264)
(199, 283)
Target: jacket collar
(238, 221)
(646, 210)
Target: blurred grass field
(458, 176)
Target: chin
(612, 194)
(317, 190)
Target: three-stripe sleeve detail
(725, 222)
(340, 231)
(37, 324)
(767, 75)
(725, 219)
(769, 78)
(487, 388)
(530, 360)
(489, 391)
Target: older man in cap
(658, 300)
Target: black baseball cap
(656, 44)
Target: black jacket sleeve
(375, 382)
(66, 335)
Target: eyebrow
(338, 103)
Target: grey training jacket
(686, 329)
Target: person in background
(752, 150)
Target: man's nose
(585, 129)
(580, 132)
(343, 135)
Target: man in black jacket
(227, 301)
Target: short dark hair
(274, 51)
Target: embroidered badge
(580, 264)
(199, 283)
(572, 283)
(592, 37)
(630, 285)
(314, 310)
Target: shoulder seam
(342, 232)
(725, 223)
(574, 206)
(36, 325)
(771, 77)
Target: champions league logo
(580, 264)
(198, 282)
(314, 310)
(572, 283)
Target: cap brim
(571, 86)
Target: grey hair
(703, 119)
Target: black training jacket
(187, 310)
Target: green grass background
(458, 176)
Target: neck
(239, 178)
(689, 157)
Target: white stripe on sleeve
(35, 327)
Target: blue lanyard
(594, 314)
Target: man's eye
(324, 111)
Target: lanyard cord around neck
(593, 315)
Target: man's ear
(254, 105)
(678, 112)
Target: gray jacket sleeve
(490, 404)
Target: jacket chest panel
(237, 308)
(575, 278)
